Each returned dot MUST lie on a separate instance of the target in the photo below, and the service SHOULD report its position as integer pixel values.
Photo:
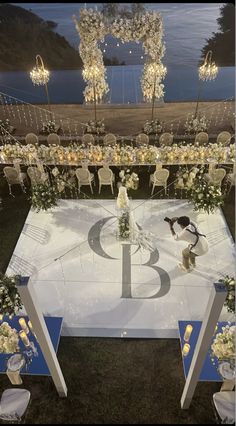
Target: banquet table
(38, 365)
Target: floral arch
(93, 26)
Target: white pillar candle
(186, 349)
(24, 338)
(188, 331)
(23, 325)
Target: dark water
(186, 28)
(181, 84)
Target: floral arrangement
(4, 126)
(152, 127)
(223, 346)
(92, 28)
(95, 127)
(49, 127)
(185, 178)
(75, 153)
(10, 301)
(196, 124)
(8, 339)
(205, 195)
(123, 226)
(44, 197)
(129, 180)
(63, 179)
(229, 282)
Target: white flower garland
(92, 27)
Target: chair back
(225, 405)
(142, 139)
(224, 138)
(105, 175)
(201, 138)
(12, 175)
(53, 139)
(217, 175)
(34, 175)
(166, 139)
(31, 138)
(161, 176)
(83, 175)
(87, 138)
(14, 403)
(109, 139)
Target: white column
(30, 302)
(213, 310)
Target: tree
(222, 43)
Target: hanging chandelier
(39, 75)
(208, 71)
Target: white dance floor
(75, 262)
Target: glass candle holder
(188, 331)
(186, 349)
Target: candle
(31, 329)
(24, 338)
(188, 331)
(23, 325)
(1, 317)
(186, 349)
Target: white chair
(53, 139)
(13, 404)
(159, 178)
(32, 139)
(35, 175)
(224, 403)
(166, 139)
(13, 177)
(84, 177)
(201, 138)
(215, 176)
(87, 139)
(142, 139)
(230, 177)
(224, 138)
(106, 177)
(109, 139)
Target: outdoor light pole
(207, 71)
(153, 96)
(95, 100)
(40, 77)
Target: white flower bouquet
(129, 180)
(152, 127)
(205, 195)
(95, 127)
(49, 127)
(229, 282)
(196, 124)
(8, 339)
(44, 197)
(10, 301)
(223, 346)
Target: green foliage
(222, 43)
(10, 302)
(44, 197)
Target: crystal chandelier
(208, 71)
(39, 75)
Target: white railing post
(213, 310)
(34, 312)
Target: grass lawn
(131, 381)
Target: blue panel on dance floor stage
(38, 365)
(209, 371)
